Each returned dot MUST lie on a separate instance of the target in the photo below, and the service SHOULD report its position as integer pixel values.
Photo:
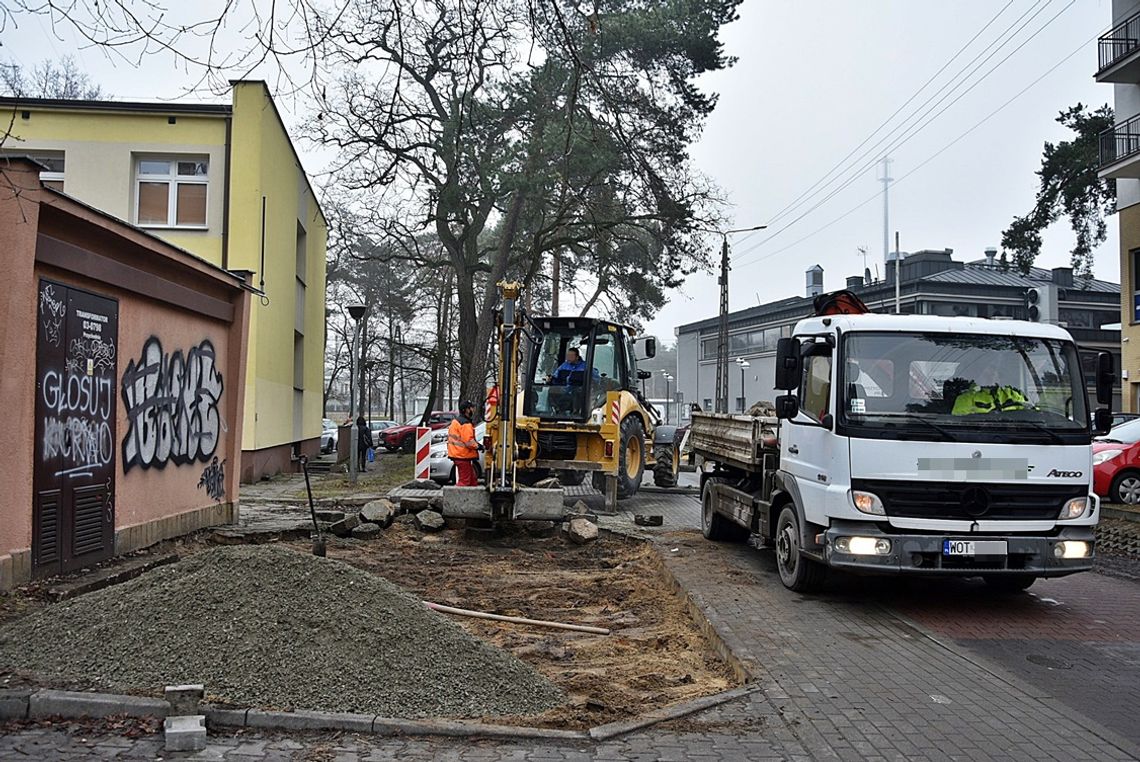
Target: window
(171, 192)
(816, 391)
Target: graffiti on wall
(214, 480)
(172, 406)
(77, 424)
(52, 308)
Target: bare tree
(63, 80)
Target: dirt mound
(270, 627)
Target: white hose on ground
(516, 619)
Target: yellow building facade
(225, 183)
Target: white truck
(913, 444)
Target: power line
(926, 161)
(906, 138)
(897, 111)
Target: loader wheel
(664, 472)
(631, 460)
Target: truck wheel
(571, 478)
(631, 458)
(716, 527)
(664, 474)
(1009, 583)
(798, 573)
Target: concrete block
(46, 703)
(414, 504)
(186, 733)
(581, 531)
(330, 515)
(381, 512)
(429, 521)
(14, 703)
(366, 531)
(305, 720)
(184, 699)
(344, 527)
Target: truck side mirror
(1102, 421)
(650, 347)
(788, 368)
(1105, 378)
(644, 375)
(787, 405)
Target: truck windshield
(964, 387)
(571, 371)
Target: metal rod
(516, 619)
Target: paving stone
(185, 733)
(430, 521)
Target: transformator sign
(423, 452)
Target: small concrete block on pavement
(581, 531)
(185, 733)
(45, 703)
(344, 527)
(366, 531)
(380, 512)
(429, 521)
(184, 699)
(14, 703)
(303, 720)
(643, 520)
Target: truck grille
(941, 500)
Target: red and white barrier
(423, 453)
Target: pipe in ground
(516, 619)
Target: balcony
(1120, 150)
(1118, 53)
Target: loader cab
(574, 365)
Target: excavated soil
(656, 655)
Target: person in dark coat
(364, 442)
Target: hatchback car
(328, 435)
(1116, 463)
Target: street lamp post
(744, 364)
(668, 399)
(357, 312)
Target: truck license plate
(974, 547)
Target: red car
(1116, 464)
(403, 437)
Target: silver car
(442, 467)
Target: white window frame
(173, 179)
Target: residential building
(1119, 64)
(225, 183)
(932, 283)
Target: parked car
(328, 435)
(1119, 418)
(442, 467)
(378, 426)
(396, 438)
(1116, 463)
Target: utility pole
(886, 181)
(862, 251)
(556, 279)
(722, 334)
(898, 276)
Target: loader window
(560, 376)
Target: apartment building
(224, 183)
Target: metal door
(73, 518)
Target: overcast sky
(813, 80)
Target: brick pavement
(840, 676)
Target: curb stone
(14, 703)
(48, 703)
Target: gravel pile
(273, 628)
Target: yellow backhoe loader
(548, 415)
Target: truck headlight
(863, 546)
(867, 502)
(1105, 455)
(1071, 549)
(1075, 508)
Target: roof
(205, 109)
(875, 321)
(981, 275)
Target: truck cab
(924, 445)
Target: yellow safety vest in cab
(988, 399)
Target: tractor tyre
(664, 472)
(631, 460)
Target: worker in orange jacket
(462, 447)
